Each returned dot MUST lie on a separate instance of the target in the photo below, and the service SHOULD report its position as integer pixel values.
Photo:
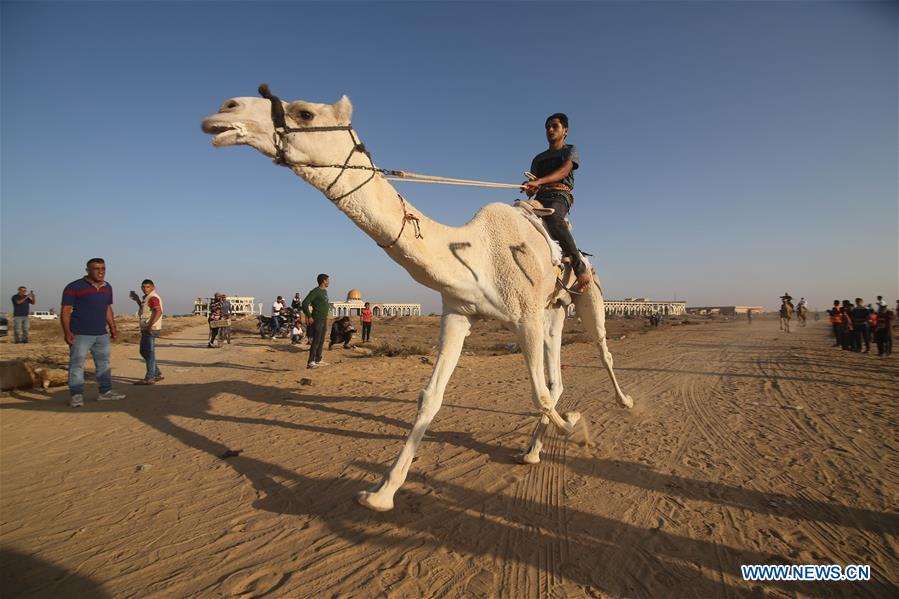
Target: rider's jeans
(558, 228)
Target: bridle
(282, 131)
(279, 140)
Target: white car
(44, 315)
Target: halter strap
(281, 130)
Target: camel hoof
(625, 401)
(528, 458)
(580, 433)
(572, 418)
(373, 502)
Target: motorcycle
(288, 316)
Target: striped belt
(556, 187)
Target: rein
(279, 140)
(282, 130)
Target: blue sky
(729, 151)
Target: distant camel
(786, 313)
(801, 314)
(496, 266)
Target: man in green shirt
(316, 305)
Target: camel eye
(306, 115)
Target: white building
(240, 305)
(725, 310)
(640, 306)
(354, 304)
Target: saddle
(534, 212)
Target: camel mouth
(216, 129)
(225, 134)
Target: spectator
(297, 304)
(296, 333)
(315, 307)
(225, 332)
(846, 325)
(836, 321)
(366, 322)
(880, 303)
(277, 307)
(150, 316)
(342, 332)
(749, 316)
(85, 315)
(217, 318)
(860, 316)
(21, 308)
(883, 333)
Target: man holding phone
(150, 314)
(21, 308)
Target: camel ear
(344, 109)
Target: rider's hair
(96, 261)
(563, 118)
(321, 278)
(148, 282)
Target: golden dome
(354, 294)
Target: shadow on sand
(478, 523)
(26, 576)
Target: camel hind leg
(591, 310)
(554, 322)
(530, 334)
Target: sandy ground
(746, 446)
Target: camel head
(248, 121)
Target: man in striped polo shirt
(85, 314)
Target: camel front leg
(453, 330)
(591, 310)
(554, 322)
(530, 335)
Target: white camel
(496, 266)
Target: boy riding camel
(553, 170)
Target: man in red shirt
(86, 316)
(366, 322)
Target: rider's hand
(530, 187)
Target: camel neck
(377, 209)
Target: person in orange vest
(836, 321)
